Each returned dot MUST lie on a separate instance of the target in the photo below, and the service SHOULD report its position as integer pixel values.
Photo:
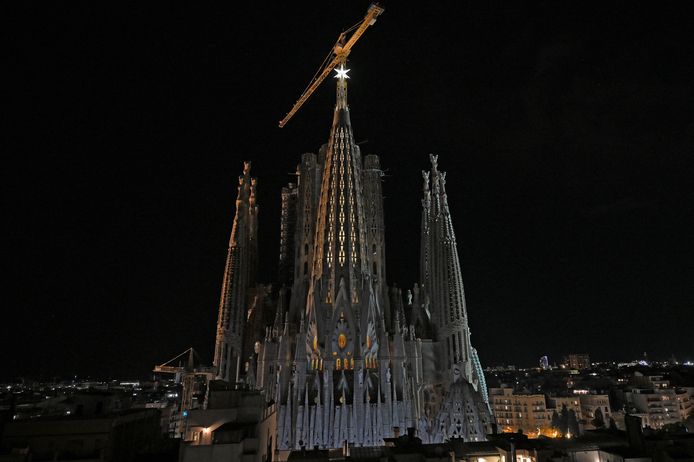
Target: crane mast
(337, 56)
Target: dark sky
(567, 131)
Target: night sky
(567, 131)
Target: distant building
(518, 411)
(649, 381)
(590, 404)
(685, 400)
(577, 361)
(594, 447)
(507, 368)
(585, 406)
(557, 403)
(84, 403)
(116, 437)
(235, 424)
(657, 402)
(533, 413)
(544, 363)
(656, 407)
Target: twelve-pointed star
(342, 72)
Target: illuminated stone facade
(344, 358)
(239, 277)
(532, 412)
(514, 412)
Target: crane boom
(340, 53)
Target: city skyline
(570, 158)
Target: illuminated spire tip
(342, 72)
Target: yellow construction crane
(338, 55)
(186, 370)
(184, 363)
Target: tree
(556, 422)
(689, 423)
(677, 427)
(573, 423)
(613, 424)
(598, 420)
(564, 420)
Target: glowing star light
(342, 72)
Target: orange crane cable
(320, 68)
(312, 87)
(327, 57)
(351, 28)
(177, 356)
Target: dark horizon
(566, 132)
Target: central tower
(340, 378)
(342, 312)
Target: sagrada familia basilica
(342, 356)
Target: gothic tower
(375, 229)
(309, 173)
(239, 276)
(442, 282)
(453, 401)
(287, 229)
(441, 275)
(342, 383)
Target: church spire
(341, 302)
(239, 275)
(340, 247)
(441, 273)
(342, 88)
